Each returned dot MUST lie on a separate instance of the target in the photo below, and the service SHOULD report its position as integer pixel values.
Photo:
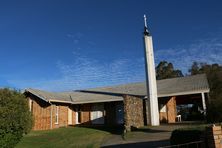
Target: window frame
(56, 114)
(30, 105)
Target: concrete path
(147, 137)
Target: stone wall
(133, 112)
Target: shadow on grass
(149, 144)
(116, 130)
(119, 130)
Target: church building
(132, 105)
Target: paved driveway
(147, 137)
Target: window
(56, 114)
(119, 114)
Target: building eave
(98, 101)
(27, 91)
(184, 93)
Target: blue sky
(60, 45)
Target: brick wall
(42, 112)
(133, 112)
(73, 115)
(85, 114)
(214, 136)
(168, 110)
(63, 116)
(171, 110)
(163, 117)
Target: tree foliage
(166, 70)
(214, 76)
(15, 118)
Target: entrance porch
(183, 108)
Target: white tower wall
(151, 79)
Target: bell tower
(150, 78)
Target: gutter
(59, 101)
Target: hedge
(186, 135)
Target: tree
(166, 70)
(214, 76)
(195, 69)
(15, 117)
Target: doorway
(119, 114)
(97, 114)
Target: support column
(203, 102)
(171, 110)
(133, 112)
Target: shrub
(186, 135)
(15, 118)
(214, 111)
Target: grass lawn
(64, 137)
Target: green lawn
(64, 137)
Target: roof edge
(108, 100)
(185, 93)
(42, 98)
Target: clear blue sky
(64, 45)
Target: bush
(15, 118)
(186, 135)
